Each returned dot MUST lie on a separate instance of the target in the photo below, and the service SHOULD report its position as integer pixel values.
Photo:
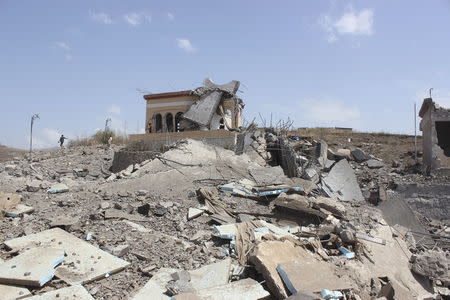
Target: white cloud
(186, 45)
(170, 16)
(356, 23)
(329, 112)
(350, 23)
(63, 45)
(100, 17)
(114, 109)
(136, 19)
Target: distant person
(110, 142)
(61, 140)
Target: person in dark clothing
(61, 140)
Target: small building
(164, 112)
(435, 127)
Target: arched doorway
(169, 122)
(177, 121)
(158, 123)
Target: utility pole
(429, 90)
(415, 131)
(34, 117)
(108, 120)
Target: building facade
(435, 127)
(164, 112)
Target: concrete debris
(84, 262)
(8, 201)
(58, 188)
(155, 288)
(10, 292)
(245, 289)
(34, 267)
(196, 221)
(341, 183)
(194, 213)
(375, 164)
(311, 275)
(266, 258)
(19, 210)
(432, 264)
(359, 155)
(76, 292)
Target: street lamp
(34, 117)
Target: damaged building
(435, 127)
(210, 107)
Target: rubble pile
(202, 222)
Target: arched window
(169, 122)
(158, 122)
(177, 121)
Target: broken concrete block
(331, 205)
(10, 292)
(84, 262)
(202, 111)
(33, 186)
(245, 289)
(8, 201)
(311, 174)
(211, 275)
(343, 153)
(341, 184)
(374, 164)
(58, 188)
(76, 292)
(312, 275)
(19, 210)
(34, 267)
(120, 250)
(63, 221)
(359, 155)
(268, 255)
(10, 168)
(433, 264)
(156, 287)
(194, 213)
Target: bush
(101, 137)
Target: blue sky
(359, 64)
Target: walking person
(61, 140)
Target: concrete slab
(268, 255)
(194, 213)
(76, 292)
(83, 263)
(8, 201)
(34, 267)
(341, 184)
(230, 87)
(156, 287)
(19, 210)
(311, 275)
(245, 289)
(202, 111)
(267, 176)
(11, 292)
(211, 275)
